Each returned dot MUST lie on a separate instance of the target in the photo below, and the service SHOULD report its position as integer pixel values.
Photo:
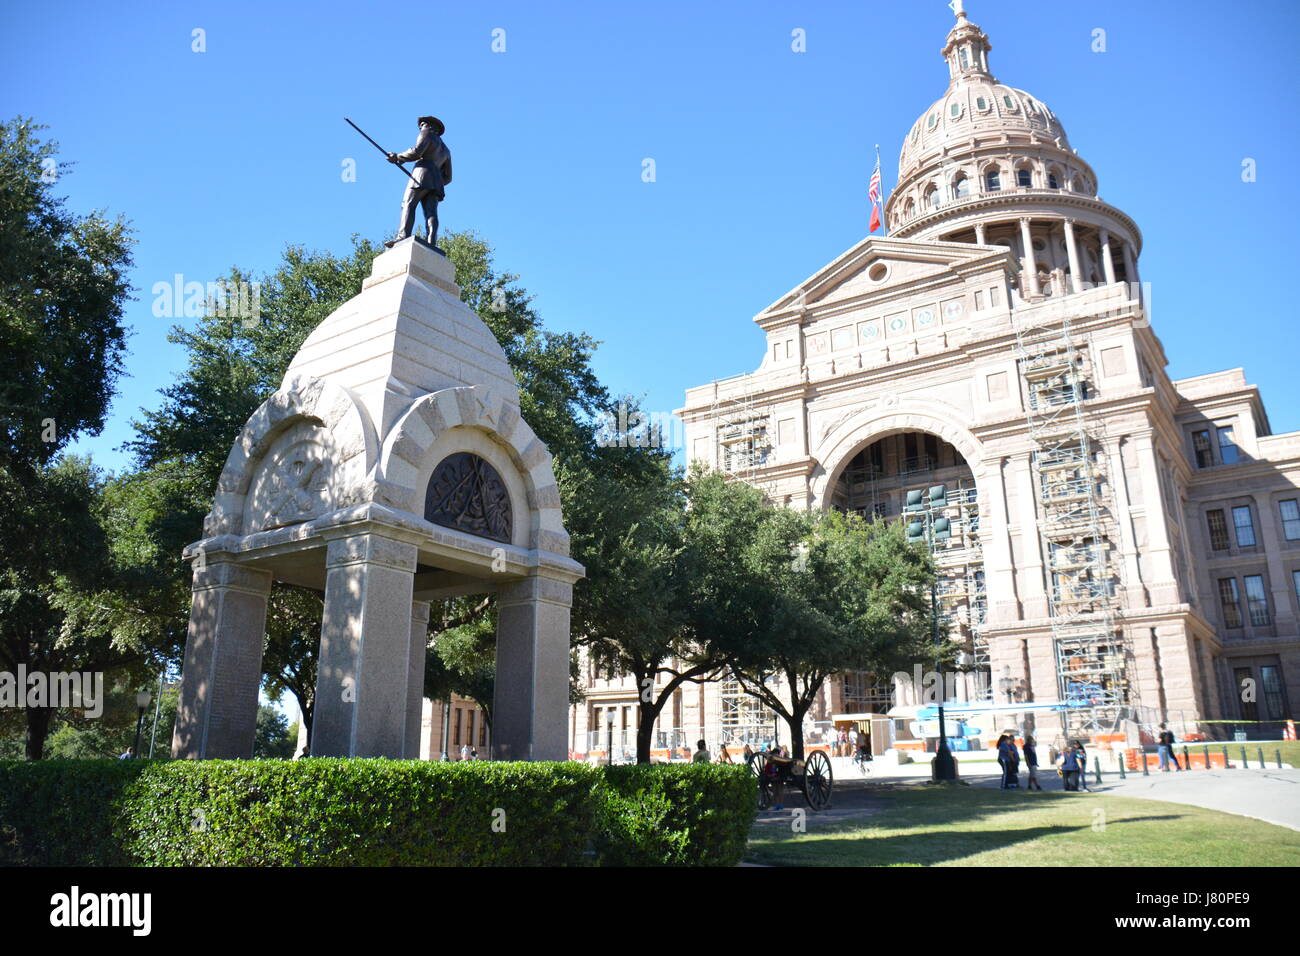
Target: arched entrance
(923, 480)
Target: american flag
(873, 192)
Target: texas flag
(873, 193)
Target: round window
(877, 272)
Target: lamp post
(944, 766)
(609, 723)
(142, 703)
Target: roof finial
(959, 8)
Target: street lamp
(142, 703)
(609, 723)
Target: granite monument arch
(391, 469)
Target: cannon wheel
(757, 766)
(817, 780)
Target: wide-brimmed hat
(436, 123)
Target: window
(1244, 525)
(1295, 584)
(456, 724)
(1052, 182)
(934, 119)
(1228, 599)
(955, 110)
(1270, 682)
(1290, 510)
(1257, 600)
(1009, 104)
(981, 104)
(961, 188)
(932, 197)
(1201, 445)
(1024, 177)
(1218, 529)
(993, 180)
(1227, 447)
(963, 56)
(1244, 678)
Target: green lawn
(962, 826)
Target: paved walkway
(1270, 795)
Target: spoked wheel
(758, 766)
(817, 780)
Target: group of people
(1072, 763)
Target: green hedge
(676, 815)
(324, 812)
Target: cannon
(811, 776)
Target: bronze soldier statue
(425, 187)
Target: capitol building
(1115, 548)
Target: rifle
(380, 148)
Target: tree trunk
(647, 714)
(795, 723)
(38, 728)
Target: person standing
(701, 754)
(723, 755)
(1083, 765)
(1003, 759)
(1013, 759)
(1165, 748)
(1031, 764)
(1070, 767)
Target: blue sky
(222, 158)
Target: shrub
(64, 812)
(328, 812)
(688, 815)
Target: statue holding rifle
(425, 186)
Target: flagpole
(884, 225)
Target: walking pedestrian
(1165, 748)
(1031, 764)
(1083, 764)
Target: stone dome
(979, 106)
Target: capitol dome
(991, 164)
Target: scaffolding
(1081, 573)
(947, 521)
(744, 432)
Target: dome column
(1106, 263)
(1130, 264)
(979, 233)
(1031, 267)
(1072, 250)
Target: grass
(957, 826)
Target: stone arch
(429, 430)
(847, 439)
(346, 432)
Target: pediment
(879, 265)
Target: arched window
(1024, 176)
(964, 56)
(930, 123)
(932, 196)
(992, 179)
(960, 187)
(954, 110)
(1052, 181)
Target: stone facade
(925, 358)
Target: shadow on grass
(939, 823)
